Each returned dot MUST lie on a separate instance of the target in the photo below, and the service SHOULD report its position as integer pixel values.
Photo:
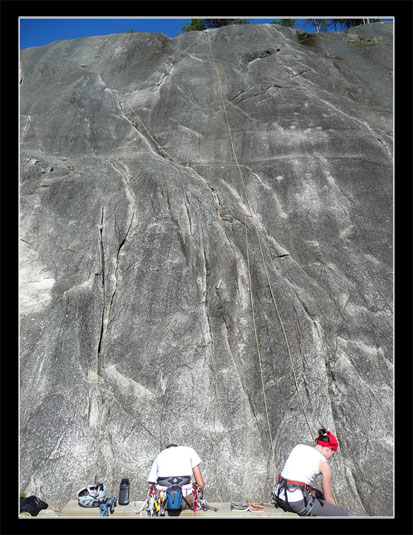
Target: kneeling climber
(293, 492)
(171, 471)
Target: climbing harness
(157, 501)
(174, 480)
(288, 485)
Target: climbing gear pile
(95, 496)
(91, 495)
(156, 502)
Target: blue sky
(40, 31)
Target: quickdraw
(199, 501)
(197, 494)
(154, 503)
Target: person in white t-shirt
(293, 491)
(174, 466)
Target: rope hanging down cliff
(266, 272)
(247, 252)
(160, 148)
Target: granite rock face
(164, 182)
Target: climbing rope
(248, 262)
(285, 336)
(269, 285)
(266, 272)
(258, 350)
(163, 151)
(168, 156)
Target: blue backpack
(174, 497)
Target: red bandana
(333, 444)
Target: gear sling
(286, 484)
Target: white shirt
(175, 461)
(301, 465)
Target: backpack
(31, 506)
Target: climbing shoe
(256, 507)
(241, 506)
(247, 506)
